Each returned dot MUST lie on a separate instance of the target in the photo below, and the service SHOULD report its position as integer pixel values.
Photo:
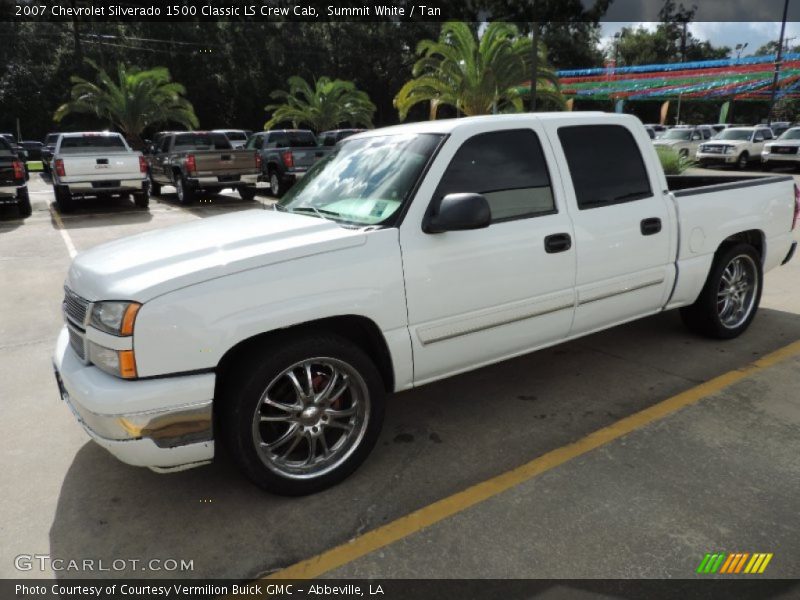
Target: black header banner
(388, 10)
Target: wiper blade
(320, 212)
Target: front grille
(712, 149)
(784, 150)
(76, 342)
(75, 307)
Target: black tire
(247, 192)
(703, 317)
(24, 203)
(186, 193)
(142, 199)
(743, 161)
(155, 188)
(275, 184)
(241, 398)
(63, 199)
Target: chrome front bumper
(164, 424)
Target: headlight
(729, 149)
(120, 363)
(115, 318)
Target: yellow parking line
(460, 501)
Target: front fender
(191, 328)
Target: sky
(721, 33)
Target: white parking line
(64, 233)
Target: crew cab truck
(202, 161)
(13, 180)
(410, 254)
(99, 164)
(286, 155)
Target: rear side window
(5, 147)
(605, 164)
(202, 141)
(508, 168)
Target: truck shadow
(95, 212)
(437, 440)
(209, 205)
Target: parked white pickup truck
(410, 254)
(97, 164)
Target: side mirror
(459, 212)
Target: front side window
(605, 164)
(363, 182)
(508, 168)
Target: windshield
(677, 134)
(364, 181)
(791, 134)
(734, 134)
(77, 144)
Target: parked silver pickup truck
(99, 164)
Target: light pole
(535, 50)
(739, 49)
(778, 59)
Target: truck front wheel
(731, 295)
(304, 415)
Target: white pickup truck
(410, 254)
(97, 164)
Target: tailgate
(98, 167)
(7, 173)
(305, 157)
(225, 162)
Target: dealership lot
(719, 475)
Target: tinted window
(508, 168)
(605, 164)
(5, 147)
(255, 142)
(292, 139)
(51, 138)
(92, 142)
(239, 136)
(706, 134)
(768, 134)
(202, 141)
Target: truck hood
(150, 264)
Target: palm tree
(132, 101)
(326, 105)
(477, 76)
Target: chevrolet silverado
(407, 255)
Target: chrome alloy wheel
(737, 291)
(311, 418)
(274, 184)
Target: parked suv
(286, 155)
(735, 146)
(684, 140)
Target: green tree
(476, 75)
(133, 101)
(326, 105)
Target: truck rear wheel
(247, 192)
(731, 295)
(275, 185)
(24, 203)
(63, 199)
(142, 199)
(185, 192)
(303, 415)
